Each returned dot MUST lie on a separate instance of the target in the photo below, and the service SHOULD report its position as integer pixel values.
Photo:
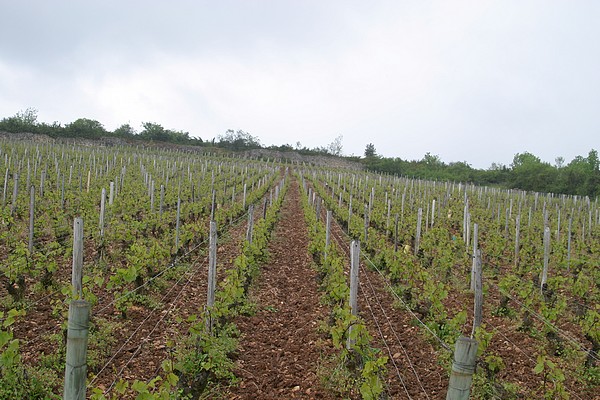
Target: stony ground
(281, 348)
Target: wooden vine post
(78, 325)
(15, 195)
(558, 226)
(111, 195)
(177, 224)
(475, 248)
(317, 208)
(244, 199)
(546, 258)
(5, 188)
(349, 213)
(62, 193)
(465, 352)
(77, 271)
(102, 209)
(478, 304)
(569, 243)
(212, 274)
(212, 207)
(463, 368)
(366, 222)
(152, 196)
(31, 217)
(418, 235)
(42, 182)
(389, 210)
(327, 232)
(517, 234)
(250, 223)
(354, 265)
(162, 200)
(396, 234)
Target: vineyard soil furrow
(281, 348)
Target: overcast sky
(474, 81)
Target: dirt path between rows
(280, 348)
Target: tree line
(528, 172)
(581, 176)
(85, 128)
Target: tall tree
(335, 147)
(370, 150)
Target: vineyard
(209, 276)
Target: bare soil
(281, 348)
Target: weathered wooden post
(402, 206)
(475, 248)
(468, 235)
(558, 227)
(31, 217)
(546, 258)
(212, 274)
(77, 270)
(77, 338)
(152, 196)
(354, 266)
(366, 222)
(89, 179)
(427, 218)
(111, 196)
(478, 304)
(42, 183)
(78, 325)
(396, 234)
(162, 200)
(62, 193)
(102, 208)
(177, 223)
(387, 220)
(349, 213)
(418, 235)
(244, 200)
(327, 232)
(15, 195)
(371, 199)
(318, 208)
(465, 220)
(517, 234)
(569, 243)
(5, 188)
(463, 368)
(213, 205)
(250, 223)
